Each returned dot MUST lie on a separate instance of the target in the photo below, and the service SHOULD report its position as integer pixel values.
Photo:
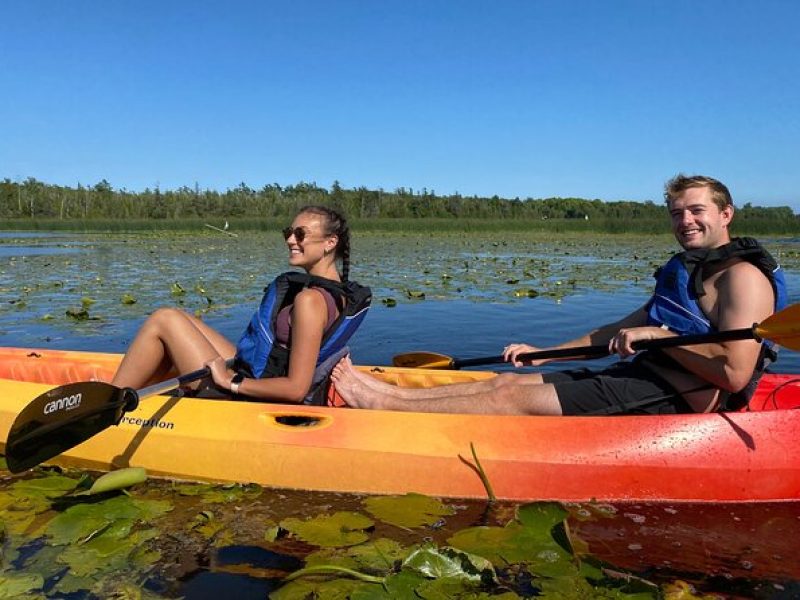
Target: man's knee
(503, 380)
(516, 379)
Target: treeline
(33, 200)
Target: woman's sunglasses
(298, 232)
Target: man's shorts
(626, 387)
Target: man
(715, 284)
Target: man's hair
(680, 183)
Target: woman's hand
(220, 373)
(512, 351)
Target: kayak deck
(735, 457)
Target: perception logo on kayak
(66, 403)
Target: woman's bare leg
(169, 337)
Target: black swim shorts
(626, 387)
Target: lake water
(475, 303)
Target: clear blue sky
(595, 99)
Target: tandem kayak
(747, 456)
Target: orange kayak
(746, 456)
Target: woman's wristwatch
(237, 379)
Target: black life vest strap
(699, 262)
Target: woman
(304, 319)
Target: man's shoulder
(743, 276)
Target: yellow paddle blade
(783, 328)
(423, 360)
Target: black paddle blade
(61, 419)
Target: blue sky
(516, 98)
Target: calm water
(741, 551)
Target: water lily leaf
(128, 299)
(415, 295)
(512, 281)
(525, 293)
(18, 586)
(411, 510)
(389, 302)
(86, 301)
(397, 585)
(343, 528)
(272, 531)
(216, 494)
(449, 588)
(83, 521)
(108, 552)
(435, 563)
(378, 556)
(177, 289)
(681, 590)
(49, 486)
(46, 317)
(528, 540)
(335, 589)
(78, 314)
(206, 523)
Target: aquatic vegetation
(481, 562)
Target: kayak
(747, 456)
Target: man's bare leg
(509, 397)
(465, 389)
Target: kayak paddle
(782, 328)
(70, 414)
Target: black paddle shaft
(599, 351)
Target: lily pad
(435, 563)
(343, 528)
(410, 510)
(78, 314)
(378, 556)
(19, 586)
(527, 540)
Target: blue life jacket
(257, 354)
(679, 284)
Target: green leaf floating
(528, 540)
(411, 510)
(451, 563)
(343, 528)
(19, 585)
(79, 314)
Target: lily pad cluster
(59, 539)
(532, 554)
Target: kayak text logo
(66, 403)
